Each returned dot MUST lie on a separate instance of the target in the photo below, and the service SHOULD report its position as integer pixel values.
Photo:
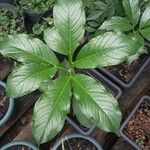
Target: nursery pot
(33, 18)
(6, 6)
(10, 108)
(131, 123)
(15, 144)
(78, 137)
(7, 1)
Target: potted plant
(36, 9)
(6, 105)
(38, 63)
(23, 145)
(136, 129)
(77, 141)
(98, 12)
(11, 20)
(136, 23)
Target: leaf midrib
(96, 54)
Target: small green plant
(38, 28)
(11, 22)
(100, 10)
(36, 6)
(92, 103)
(134, 23)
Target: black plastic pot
(77, 136)
(144, 99)
(8, 1)
(10, 109)
(6, 6)
(19, 143)
(32, 18)
(109, 85)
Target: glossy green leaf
(117, 23)
(139, 41)
(146, 33)
(69, 20)
(145, 24)
(27, 78)
(96, 103)
(132, 10)
(145, 19)
(51, 109)
(106, 50)
(54, 41)
(82, 118)
(24, 49)
(94, 15)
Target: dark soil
(4, 103)
(77, 144)
(20, 148)
(138, 128)
(126, 72)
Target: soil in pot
(4, 102)
(138, 127)
(126, 72)
(77, 144)
(20, 147)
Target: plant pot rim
(10, 108)
(16, 143)
(71, 136)
(128, 119)
(6, 6)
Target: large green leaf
(69, 20)
(145, 24)
(145, 19)
(132, 10)
(94, 15)
(138, 41)
(106, 50)
(51, 109)
(24, 49)
(27, 78)
(146, 33)
(82, 118)
(117, 23)
(96, 103)
(54, 41)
